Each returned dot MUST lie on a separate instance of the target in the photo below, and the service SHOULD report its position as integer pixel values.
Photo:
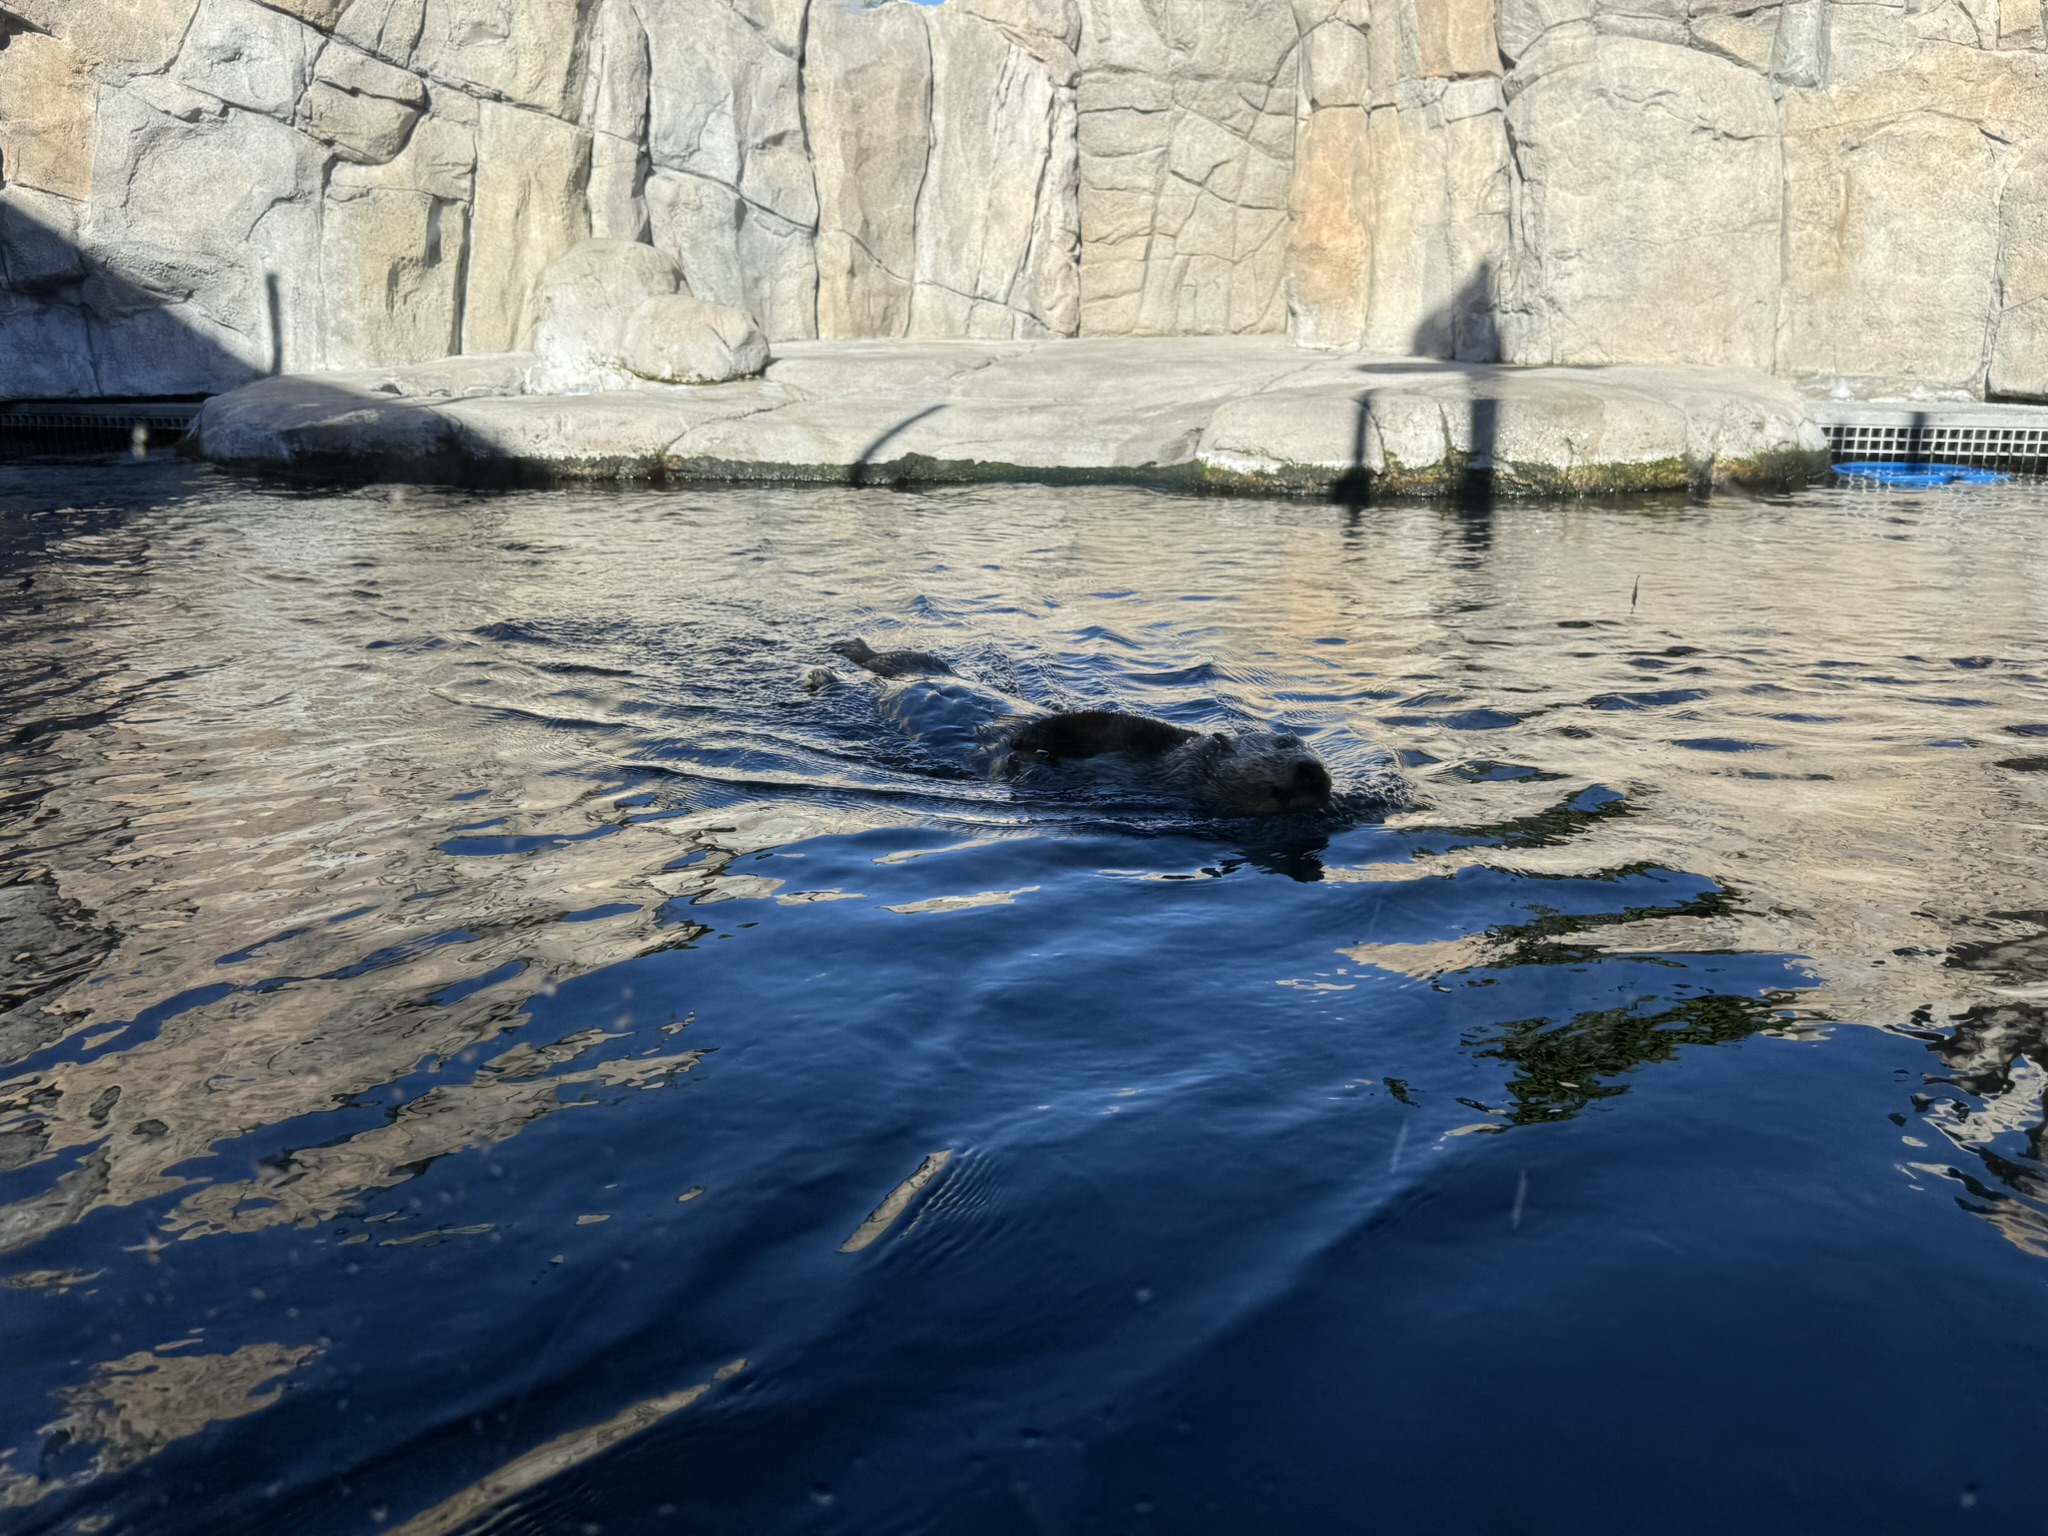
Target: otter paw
(817, 678)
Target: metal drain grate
(2013, 438)
(85, 426)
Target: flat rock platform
(1253, 414)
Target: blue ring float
(1920, 477)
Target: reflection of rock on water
(241, 911)
(131, 1408)
(1996, 1054)
(46, 943)
(316, 1184)
(247, 817)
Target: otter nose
(1287, 741)
(1310, 784)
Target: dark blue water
(482, 1048)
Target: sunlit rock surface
(677, 339)
(1187, 130)
(197, 192)
(1227, 412)
(1649, 208)
(586, 300)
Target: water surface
(482, 1048)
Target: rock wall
(1188, 113)
(1850, 193)
(943, 148)
(1402, 197)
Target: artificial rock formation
(1402, 194)
(1188, 113)
(681, 340)
(1847, 193)
(612, 311)
(698, 105)
(1649, 206)
(1228, 412)
(909, 106)
(587, 300)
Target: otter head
(1257, 775)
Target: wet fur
(892, 663)
(1253, 774)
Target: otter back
(1094, 732)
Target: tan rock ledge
(1248, 414)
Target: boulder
(587, 299)
(675, 339)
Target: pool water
(483, 1048)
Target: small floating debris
(1920, 477)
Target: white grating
(2013, 438)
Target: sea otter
(1249, 774)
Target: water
(486, 1050)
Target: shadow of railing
(1468, 326)
(862, 472)
(1472, 319)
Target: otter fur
(892, 663)
(1253, 774)
(1245, 774)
